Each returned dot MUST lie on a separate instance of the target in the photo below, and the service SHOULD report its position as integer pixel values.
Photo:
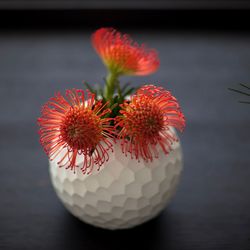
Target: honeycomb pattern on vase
(124, 193)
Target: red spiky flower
(74, 127)
(122, 55)
(146, 120)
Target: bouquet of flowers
(86, 124)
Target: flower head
(122, 55)
(146, 120)
(75, 127)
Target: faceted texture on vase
(124, 193)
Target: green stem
(111, 84)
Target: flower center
(147, 121)
(81, 129)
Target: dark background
(204, 47)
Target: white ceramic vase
(123, 193)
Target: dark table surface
(212, 207)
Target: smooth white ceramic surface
(124, 193)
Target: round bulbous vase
(123, 193)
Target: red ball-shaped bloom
(146, 120)
(74, 127)
(122, 55)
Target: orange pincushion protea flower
(74, 127)
(123, 56)
(146, 120)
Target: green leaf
(100, 91)
(89, 87)
(242, 92)
(119, 89)
(239, 91)
(245, 102)
(129, 91)
(245, 86)
(126, 85)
